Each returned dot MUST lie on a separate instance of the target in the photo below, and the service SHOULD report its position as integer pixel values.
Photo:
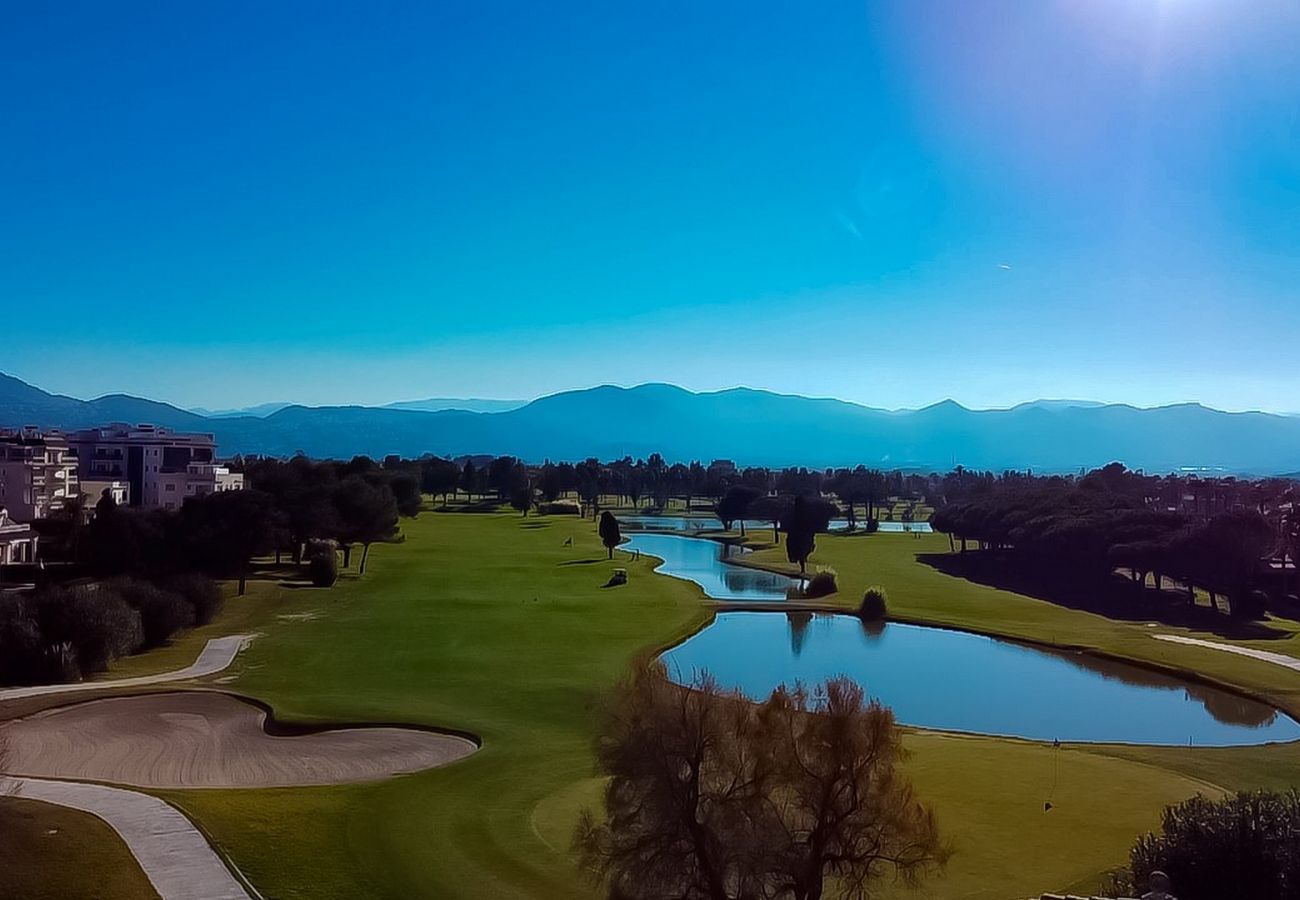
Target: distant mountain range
(437, 404)
(749, 426)
(433, 404)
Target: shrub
(96, 623)
(1247, 845)
(872, 526)
(323, 565)
(162, 612)
(201, 592)
(821, 584)
(20, 642)
(874, 605)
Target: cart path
(1277, 659)
(215, 656)
(174, 855)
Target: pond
(708, 523)
(701, 560)
(958, 681)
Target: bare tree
(714, 798)
(844, 808)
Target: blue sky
(894, 203)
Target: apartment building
(38, 473)
(161, 468)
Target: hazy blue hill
(22, 404)
(261, 410)
(748, 426)
(469, 404)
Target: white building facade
(38, 473)
(17, 541)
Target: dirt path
(202, 739)
(1268, 656)
(215, 656)
(173, 854)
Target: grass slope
(489, 623)
(62, 841)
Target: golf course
(500, 626)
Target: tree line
(654, 482)
(1111, 518)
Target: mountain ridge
(750, 426)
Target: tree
(222, 532)
(609, 532)
(439, 477)
(734, 506)
(771, 509)
(469, 480)
(367, 513)
(406, 492)
(521, 499)
(801, 532)
(711, 797)
(845, 809)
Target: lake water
(936, 678)
(707, 523)
(701, 560)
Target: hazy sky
(891, 202)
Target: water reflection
(799, 622)
(701, 560)
(1223, 705)
(965, 682)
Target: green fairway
(487, 622)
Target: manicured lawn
(487, 622)
(483, 622)
(47, 852)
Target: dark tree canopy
(807, 517)
(609, 532)
(367, 512)
(735, 504)
(225, 530)
(1245, 846)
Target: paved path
(172, 852)
(217, 655)
(1277, 659)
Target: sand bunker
(199, 739)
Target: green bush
(1246, 845)
(821, 584)
(323, 566)
(162, 613)
(874, 604)
(21, 656)
(94, 621)
(872, 526)
(201, 592)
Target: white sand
(190, 739)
